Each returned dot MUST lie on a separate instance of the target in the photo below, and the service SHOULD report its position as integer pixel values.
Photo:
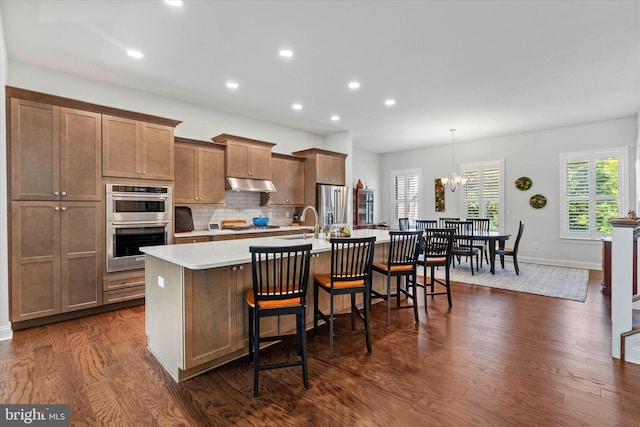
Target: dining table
(491, 237)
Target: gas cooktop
(250, 227)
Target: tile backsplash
(240, 205)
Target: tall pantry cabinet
(57, 211)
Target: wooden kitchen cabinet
(323, 166)
(199, 172)
(136, 149)
(56, 257)
(123, 286)
(212, 334)
(55, 152)
(246, 158)
(197, 239)
(287, 174)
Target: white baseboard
(6, 333)
(561, 263)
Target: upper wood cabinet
(324, 167)
(287, 174)
(199, 176)
(246, 158)
(55, 152)
(136, 149)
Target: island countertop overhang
(204, 255)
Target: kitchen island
(196, 317)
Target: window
(592, 185)
(483, 196)
(405, 185)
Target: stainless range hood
(245, 184)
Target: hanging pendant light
(453, 180)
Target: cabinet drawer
(111, 297)
(224, 237)
(123, 280)
(181, 240)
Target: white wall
(536, 155)
(5, 325)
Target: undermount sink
(296, 237)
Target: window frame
(404, 172)
(499, 164)
(622, 153)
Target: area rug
(547, 280)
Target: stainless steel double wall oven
(136, 216)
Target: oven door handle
(143, 223)
(139, 196)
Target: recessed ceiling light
(354, 85)
(232, 85)
(389, 102)
(297, 106)
(175, 3)
(135, 53)
(335, 118)
(286, 53)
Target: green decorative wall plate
(537, 201)
(523, 183)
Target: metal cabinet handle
(64, 208)
(234, 268)
(55, 193)
(241, 267)
(64, 193)
(57, 208)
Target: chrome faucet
(315, 213)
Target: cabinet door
(35, 260)
(120, 147)
(35, 150)
(295, 182)
(238, 160)
(186, 174)
(210, 314)
(279, 179)
(156, 152)
(211, 176)
(330, 169)
(260, 162)
(82, 230)
(80, 155)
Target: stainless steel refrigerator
(331, 203)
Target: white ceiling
(487, 68)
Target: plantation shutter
(406, 195)
(592, 184)
(483, 193)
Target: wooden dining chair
(423, 224)
(437, 253)
(481, 225)
(442, 222)
(403, 223)
(404, 249)
(512, 252)
(280, 276)
(351, 263)
(463, 242)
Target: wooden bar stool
(351, 261)
(280, 277)
(404, 249)
(437, 253)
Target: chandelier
(453, 180)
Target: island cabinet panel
(136, 149)
(53, 268)
(246, 158)
(55, 152)
(199, 176)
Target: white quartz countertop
(197, 233)
(200, 256)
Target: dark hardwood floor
(497, 358)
